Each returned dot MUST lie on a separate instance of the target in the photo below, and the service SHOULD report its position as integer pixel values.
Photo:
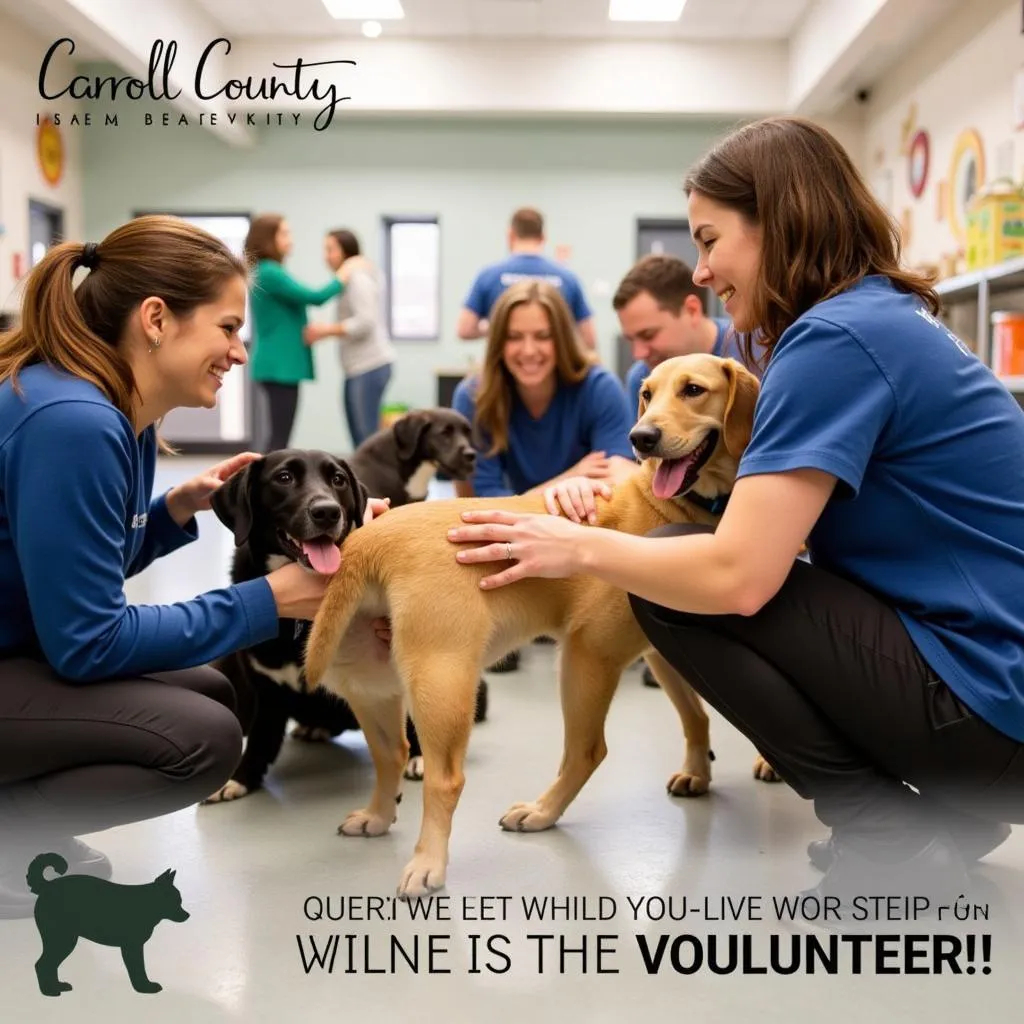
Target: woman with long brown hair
(884, 679)
(542, 408)
(108, 712)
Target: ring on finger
(508, 551)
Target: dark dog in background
(399, 463)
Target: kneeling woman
(895, 659)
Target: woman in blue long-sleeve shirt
(108, 712)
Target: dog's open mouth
(321, 554)
(674, 477)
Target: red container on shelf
(1008, 343)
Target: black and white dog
(292, 505)
(399, 463)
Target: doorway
(45, 229)
(671, 237)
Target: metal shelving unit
(978, 286)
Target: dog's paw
(526, 818)
(414, 769)
(231, 790)
(764, 772)
(422, 876)
(148, 988)
(363, 823)
(311, 734)
(54, 989)
(686, 783)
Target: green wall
(592, 179)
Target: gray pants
(79, 758)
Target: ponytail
(54, 331)
(78, 329)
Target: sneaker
(936, 872)
(973, 842)
(17, 900)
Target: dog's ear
(738, 422)
(641, 403)
(360, 495)
(168, 876)
(408, 431)
(232, 501)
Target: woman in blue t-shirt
(541, 408)
(895, 658)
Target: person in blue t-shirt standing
(526, 262)
(884, 679)
(661, 316)
(541, 408)
(109, 713)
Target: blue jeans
(362, 397)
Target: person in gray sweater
(367, 354)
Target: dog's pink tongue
(324, 556)
(669, 476)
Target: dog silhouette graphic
(73, 907)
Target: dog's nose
(470, 456)
(325, 513)
(645, 439)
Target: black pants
(825, 681)
(282, 401)
(79, 758)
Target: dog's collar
(715, 505)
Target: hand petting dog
(193, 496)
(540, 545)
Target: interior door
(665, 236)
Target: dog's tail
(341, 601)
(34, 876)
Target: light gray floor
(245, 871)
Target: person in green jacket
(280, 357)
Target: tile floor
(247, 870)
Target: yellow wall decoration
(50, 151)
(966, 176)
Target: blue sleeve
(70, 531)
(578, 302)
(634, 378)
(807, 418)
(163, 535)
(478, 299)
(489, 476)
(608, 419)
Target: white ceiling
(551, 19)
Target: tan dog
(445, 629)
